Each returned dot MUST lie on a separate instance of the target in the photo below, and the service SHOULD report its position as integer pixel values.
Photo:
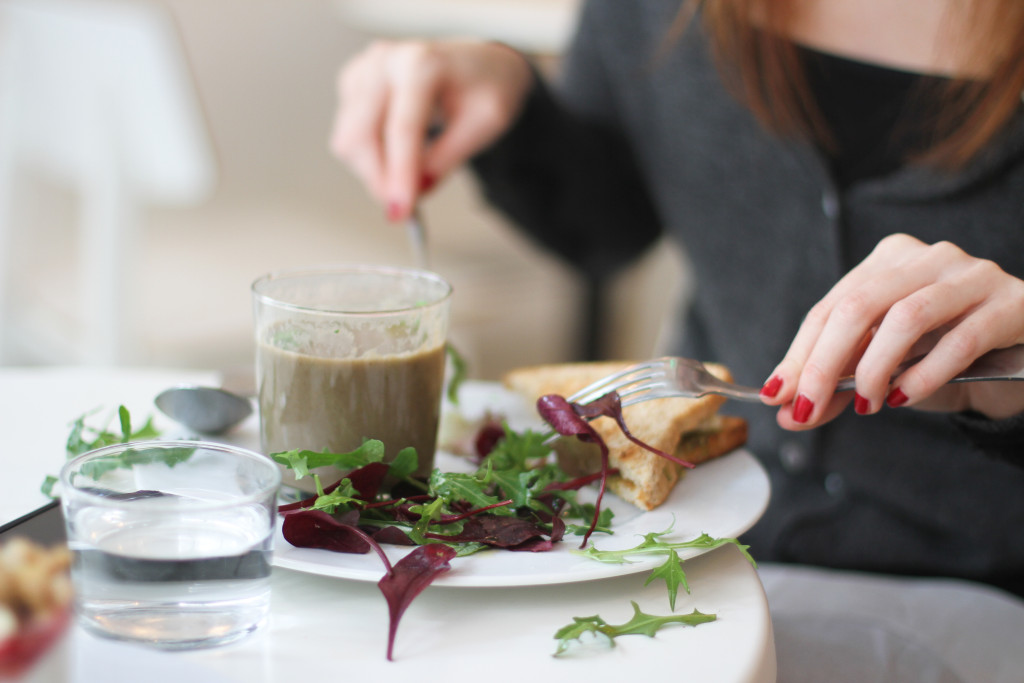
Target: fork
(673, 377)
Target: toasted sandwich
(690, 429)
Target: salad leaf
(131, 457)
(460, 371)
(428, 513)
(404, 463)
(516, 499)
(455, 486)
(640, 624)
(302, 461)
(652, 544)
(564, 418)
(671, 571)
(84, 437)
(317, 529)
(408, 578)
(343, 495)
(610, 405)
(510, 533)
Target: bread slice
(689, 428)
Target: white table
(321, 625)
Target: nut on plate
(35, 599)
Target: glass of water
(171, 541)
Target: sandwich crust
(689, 428)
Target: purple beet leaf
(498, 532)
(408, 578)
(562, 416)
(368, 479)
(610, 405)
(317, 529)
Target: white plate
(723, 498)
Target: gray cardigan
(636, 146)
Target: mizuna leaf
(672, 572)
(649, 624)
(640, 624)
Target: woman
(847, 177)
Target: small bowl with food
(35, 602)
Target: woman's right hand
(393, 93)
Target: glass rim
(348, 269)
(69, 490)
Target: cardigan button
(835, 484)
(830, 205)
(794, 457)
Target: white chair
(95, 95)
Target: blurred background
(156, 156)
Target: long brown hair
(763, 69)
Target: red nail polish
(861, 404)
(427, 182)
(771, 387)
(802, 409)
(394, 210)
(896, 398)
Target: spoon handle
(418, 239)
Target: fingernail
(896, 398)
(427, 182)
(802, 409)
(771, 387)
(394, 210)
(861, 404)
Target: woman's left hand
(905, 299)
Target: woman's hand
(392, 94)
(905, 299)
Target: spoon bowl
(206, 410)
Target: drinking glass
(171, 541)
(350, 353)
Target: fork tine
(616, 381)
(637, 397)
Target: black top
(877, 115)
(640, 143)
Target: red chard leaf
(368, 479)
(392, 535)
(564, 418)
(317, 529)
(408, 578)
(610, 405)
(487, 437)
(571, 419)
(498, 532)
(577, 483)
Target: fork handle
(998, 365)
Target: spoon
(206, 410)
(417, 238)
